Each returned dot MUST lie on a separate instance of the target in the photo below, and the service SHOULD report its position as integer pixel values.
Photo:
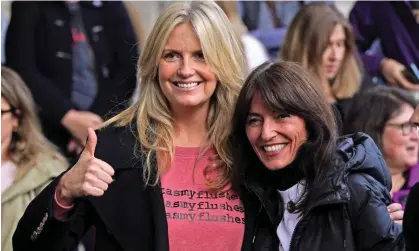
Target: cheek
(6, 130)
(252, 135)
(392, 142)
(342, 53)
(165, 72)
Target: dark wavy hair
(384, 103)
(285, 87)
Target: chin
(275, 166)
(331, 76)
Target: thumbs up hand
(88, 177)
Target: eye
(340, 44)
(171, 56)
(253, 121)
(282, 116)
(200, 56)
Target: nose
(333, 53)
(186, 69)
(268, 132)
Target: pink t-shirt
(198, 219)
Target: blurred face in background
(401, 141)
(9, 123)
(335, 52)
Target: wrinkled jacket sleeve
(372, 227)
(39, 230)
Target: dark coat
(342, 106)
(39, 48)
(129, 216)
(347, 209)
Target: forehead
(258, 105)
(415, 117)
(4, 103)
(405, 114)
(338, 33)
(183, 38)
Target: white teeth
(188, 85)
(274, 147)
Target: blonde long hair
(30, 145)
(151, 113)
(307, 38)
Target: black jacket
(347, 210)
(39, 48)
(342, 106)
(128, 217)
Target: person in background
(79, 61)
(320, 192)
(386, 121)
(134, 178)
(411, 222)
(394, 24)
(321, 39)
(28, 160)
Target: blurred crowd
(68, 66)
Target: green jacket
(16, 198)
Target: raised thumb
(91, 142)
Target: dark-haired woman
(309, 189)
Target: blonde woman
(28, 161)
(322, 40)
(146, 181)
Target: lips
(331, 68)
(273, 148)
(186, 85)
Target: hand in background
(77, 122)
(74, 146)
(392, 71)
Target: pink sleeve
(60, 211)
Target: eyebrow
(177, 51)
(401, 123)
(253, 114)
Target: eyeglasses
(11, 109)
(406, 128)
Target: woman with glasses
(383, 113)
(28, 161)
